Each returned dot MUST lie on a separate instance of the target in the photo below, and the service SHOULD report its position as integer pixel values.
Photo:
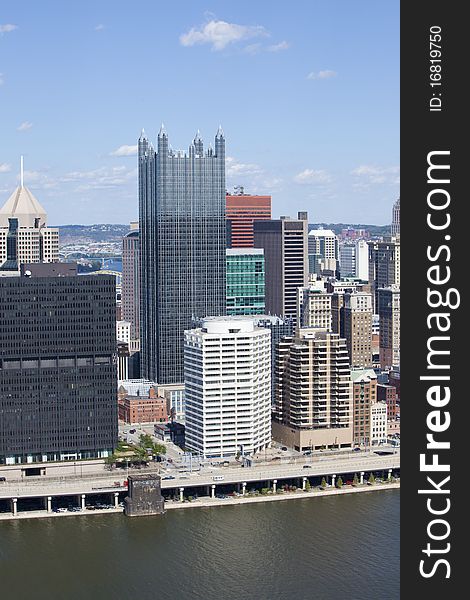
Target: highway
(115, 482)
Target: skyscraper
(384, 266)
(245, 281)
(228, 387)
(356, 328)
(182, 233)
(396, 218)
(313, 405)
(130, 296)
(286, 261)
(389, 313)
(57, 365)
(242, 211)
(24, 235)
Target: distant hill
(105, 232)
(83, 234)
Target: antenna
(21, 171)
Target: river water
(337, 547)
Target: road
(106, 483)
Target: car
(61, 510)
(284, 448)
(2, 479)
(307, 467)
(168, 477)
(356, 449)
(131, 430)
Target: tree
(355, 480)
(308, 487)
(339, 482)
(371, 479)
(323, 483)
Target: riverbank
(207, 502)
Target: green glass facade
(245, 281)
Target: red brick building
(136, 409)
(241, 212)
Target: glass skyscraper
(245, 281)
(183, 241)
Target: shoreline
(207, 502)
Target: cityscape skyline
(338, 103)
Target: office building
(242, 210)
(354, 259)
(395, 230)
(142, 409)
(356, 328)
(245, 281)
(284, 242)
(364, 394)
(388, 394)
(313, 407)
(378, 423)
(228, 387)
(314, 308)
(24, 234)
(323, 243)
(175, 400)
(389, 315)
(130, 287)
(57, 367)
(182, 247)
(384, 266)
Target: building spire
(162, 130)
(21, 172)
(142, 134)
(220, 132)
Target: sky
(307, 93)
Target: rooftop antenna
(21, 171)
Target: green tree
(339, 482)
(308, 487)
(371, 479)
(323, 483)
(355, 480)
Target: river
(337, 547)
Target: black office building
(58, 383)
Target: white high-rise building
(362, 259)
(24, 235)
(378, 423)
(324, 244)
(227, 372)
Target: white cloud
(326, 74)
(5, 168)
(7, 28)
(101, 178)
(220, 34)
(311, 176)
(369, 174)
(125, 150)
(24, 126)
(278, 47)
(99, 27)
(235, 168)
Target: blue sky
(307, 93)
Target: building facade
(389, 315)
(364, 396)
(395, 230)
(182, 244)
(356, 328)
(138, 409)
(58, 382)
(130, 286)
(227, 366)
(314, 308)
(378, 423)
(242, 210)
(384, 266)
(323, 244)
(284, 242)
(245, 281)
(313, 406)
(24, 234)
